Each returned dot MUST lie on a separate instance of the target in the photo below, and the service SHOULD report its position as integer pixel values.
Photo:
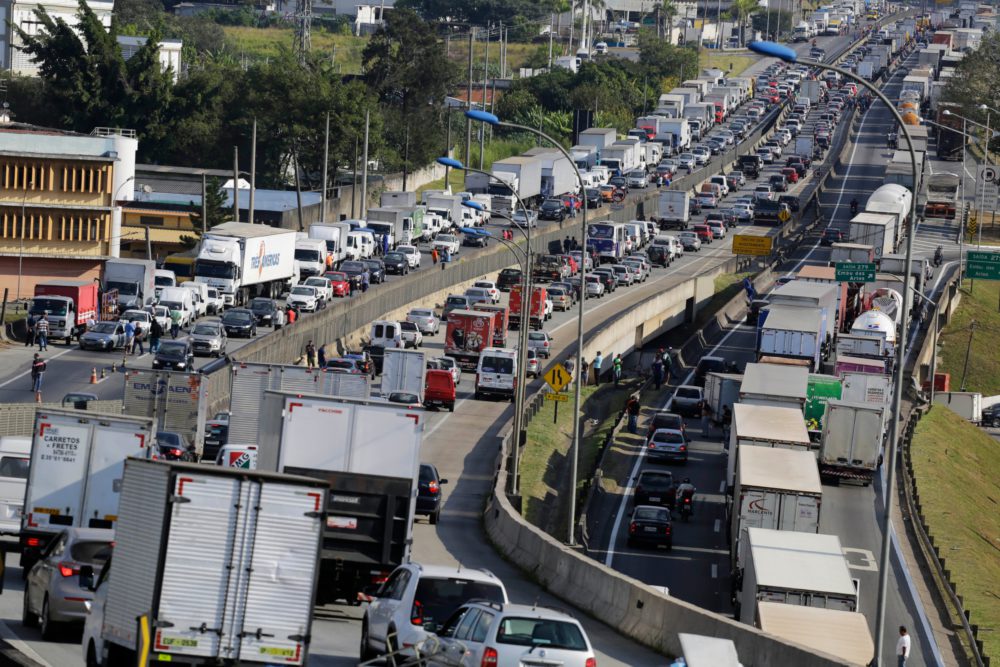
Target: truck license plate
(345, 522)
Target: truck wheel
(28, 619)
(451, 407)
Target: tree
(667, 9)
(976, 81)
(774, 20)
(741, 10)
(216, 209)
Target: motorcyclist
(685, 490)
(854, 207)
(938, 256)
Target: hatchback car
(595, 288)
(340, 283)
(508, 278)
(687, 400)
(650, 525)
(456, 302)
(410, 334)
(490, 287)
(663, 419)
(417, 599)
(541, 342)
(533, 365)
(831, 236)
(105, 336)
(623, 274)
(667, 444)
(690, 241)
(266, 312)
(481, 633)
(638, 179)
(239, 322)
(479, 295)
(561, 300)
(552, 209)
(175, 355)
(396, 263)
(655, 487)
(53, 594)
(425, 319)
(209, 338)
(429, 492)
(304, 297)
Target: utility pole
(354, 177)
(253, 171)
(298, 186)
(552, 21)
(406, 156)
(326, 163)
(236, 184)
(364, 171)
(204, 203)
(468, 106)
(486, 79)
(149, 244)
(968, 352)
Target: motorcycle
(854, 208)
(938, 257)
(686, 509)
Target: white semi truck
(243, 261)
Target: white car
(490, 287)
(595, 288)
(410, 333)
(702, 154)
(413, 255)
(304, 297)
(449, 241)
(161, 314)
(425, 319)
(687, 160)
(215, 302)
(141, 319)
(322, 285)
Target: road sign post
(557, 378)
(855, 272)
(748, 244)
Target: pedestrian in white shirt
(902, 646)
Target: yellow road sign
(558, 377)
(556, 397)
(744, 244)
(784, 215)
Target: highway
(463, 447)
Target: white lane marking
(20, 645)
(28, 372)
(722, 486)
(715, 571)
(718, 525)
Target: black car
(429, 492)
(376, 270)
(593, 198)
(216, 435)
(175, 355)
(655, 487)
(475, 240)
(396, 262)
(508, 278)
(264, 310)
(708, 365)
(552, 209)
(831, 236)
(791, 201)
(659, 255)
(619, 182)
(607, 279)
(172, 446)
(991, 416)
(650, 525)
(355, 271)
(239, 322)
(778, 182)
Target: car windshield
(260, 306)
(104, 327)
(395, 257)
(40, 305)
(440, 597)
(341, 277)
(352, 266)
(305, 291)
(205, 330)
(421, 313)
(688, 392)
(340, 364)
(504, 365)
(236, 317)
(172, 350)
(483, 285)
(652, 514)
(91, 552)
(408, 326)
(669, 437)
(456, 301)
(547, 632)
(316, 282)
(537, 335)
(136, 316)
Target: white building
(170, 51)
(22, 14)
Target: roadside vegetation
(979, 304)
(956, 467)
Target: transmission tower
(303, 38)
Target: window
(541, 632)
(465, 627)
(482, 627)
(153, 220)
(396, 585)
(14, 466)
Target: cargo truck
(403, 372)
(819, 390)
(334, 234)
(809, 294)
(243, 261)
(774, 384)
(842, 634)
(764, 426)
(812, 89)
(584, 157)
(558, 176)
(174, 401)
(405, 199)
(703, 111)
(500, 321)
(221, 562)
(67, 304)
(851, 252)
(675, 133)
(598, 137)
(670, 105)
(523, 174)
(793, 568)
(135, 280)
(75, 472)
(793, 332)
(941, 195)
(249, 381)
(866, 388)
(674, 208)
(468, 333)
(877, 230)
(966, 404)
(777, 489)
(619, 158)
(536, 309)
(310, 255)
(852, 440)
(722, 390)
(369, 456)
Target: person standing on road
(129, 335)
(902, 646)
(29, 338)
(657, 372)
(310, 354)
(42, 332)
(668, 361)
(37, 370)
(617, 368)
(632, 410)
(137, 339)
(155, 334)
(598, 362)
(364, 282)
(706, 416)
(321, 356)
(175, 322)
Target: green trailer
(819, 390)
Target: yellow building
(57, 202)
(167, 230)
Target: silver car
(53, 594)
(425, 319)
(209, 338)
(104, 336)
(540, 341)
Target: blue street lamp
(788, 55)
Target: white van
(200, 291)
(15, 453)
(178, 298)
(360, 245)
(163, 278)
(385, 333)
(496, 373)
(237, 456)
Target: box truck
(852, 440)
(469, 332)
(765, 426)
(135, 280)
(848, 364)
(75, 473)
(174, 401)
(406, 199)
(774, 384)
(402, 224)
(820, 390)
(966, 404)
(778, 489)
(368, 452)
(557, 177)
(851, 252)
(335, 236)
(796, 569)
(866, 388)
(842, 634)
(793, 332)
(722, 390)
(874, 229)
(598, 137)
(523, 174)
(221, 562)
(674, 208)
(67, 304)
(243, 261)
(536, 309)
(403, 371)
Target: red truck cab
(536, 310)
(70, 304)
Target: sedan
(522, 219)
(490, 287)
(175, 355)
(397, 263)
(266, 311)
(55, 593)
(831, 236)
(209, 338)
(687, 160)
(376, 270)
(742, 212)
(655, 487)
(595, 288)
(766, 155)
(690, 241)
(425, 319)
(707, 200)
(303, 297)
(412, 253)
(667, 444)
(104, 336)
(340, 284)
(687, 400)
(650, 525)
(541, 342)
(239, 322)
(410, 334)
(429, 499)
(552, 209)
(479, 295)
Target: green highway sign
(855, 272)
(984, 264)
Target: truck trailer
(243, 261)
(765, 426)
(852, 440)
(135, 280)
(403, 371)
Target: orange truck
(536, 311)
(500, 323)
(468, 333)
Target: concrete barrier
(18, 419)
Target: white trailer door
(58, 468)
(208, 520)
(112, 444)
(281, 579)
(799, 513)
(248, 386)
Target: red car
(791, 174)
(339, 282)
(704, 233)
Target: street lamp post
(522, 360)
(575, 448)
(978, 202)
(789, 55)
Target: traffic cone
(114, 367)
(104, 373)
(93, 375)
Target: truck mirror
(87, 577)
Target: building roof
(780, 469)
(264, 200)
(776, 380)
